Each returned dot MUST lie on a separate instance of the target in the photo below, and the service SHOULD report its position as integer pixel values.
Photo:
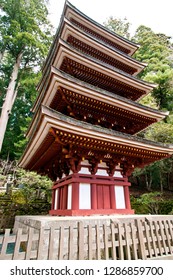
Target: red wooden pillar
(64, 198)
(60, 197)
(53, 199)
(75, 196)
(127, 197)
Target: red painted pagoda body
(85, 119)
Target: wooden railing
(129, 239)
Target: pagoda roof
(72, 11)
(139, 115)
(69, 29)
(106, 73)
(106, 32)
(54, 131)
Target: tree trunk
(168, 181)
(161, 182)
(2, 55)
(148, 181)
(9, 99)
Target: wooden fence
(129, 239)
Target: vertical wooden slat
(153, 237)
(141, 240)
(127, 239)
(148, 238)
(106, 242)
(61, 242)
(170, 226)
(90, 249)
(29, 243)
(120, 248)
(114, 255)
(71, 236)
(163, 238)
(51, 243)
(5, 243)
(134, 247)
(40, 244)
(167, 235)
(158, 236)
(17, 244)
(81, 240)
(98, 253)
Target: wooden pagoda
(85, 119)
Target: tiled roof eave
(97, 128)
(107, 93)
(105, 65)
(104, 44)
(90, 127)
(68, 4)
(50, 119)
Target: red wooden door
(103, 197)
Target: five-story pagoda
(85, 119)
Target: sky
(156, 14)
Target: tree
(20, 117)
(28, 184)
(157, 51)
(119, 26)
(25, 34)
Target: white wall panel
(69, 196)
(56, 199)
(119, 197)
(84, 196)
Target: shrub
(152, 203)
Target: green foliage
(156, 50)
(32, 186)
(119, 26)
(152, 203)
(20, 117)
(156, 176)
(24, 29)
(39, 208)
(155, 132)
(30, 194)
(32, 179)
(10, 209)
(149, 101)
(166, 207)
(25, 186)
(149, 197)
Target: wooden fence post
(142, 253)
(81, 240)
